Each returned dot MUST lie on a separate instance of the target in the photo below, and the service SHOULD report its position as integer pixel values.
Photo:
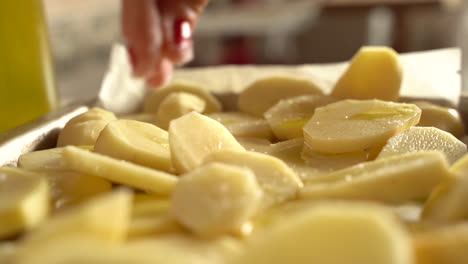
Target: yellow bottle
(27, 88)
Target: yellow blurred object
(27, 88)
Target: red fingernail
(182, 31)
(133, 57)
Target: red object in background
(236, 50)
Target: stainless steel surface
(39, 134)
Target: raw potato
(443, 245)
(24, 201)
(193, 136)
(138, 142)
(42, 160)
(176, 105)
(329, 162)
(333, 233)
(216, 199)
(374, 73)
(353, 125)
(445, 118)
(288, 116)
(85, 128)
(119, 171)
(258, 97)
(142, 117)
(278, 182)
(105, 218)
(447, 202)
(244, 125)
(424, 139)
(395, 179)
(255, 144)
(144, 226)
(152, 103)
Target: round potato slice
(176, 105)
(374, 73)
(288, 116)
(152, 103)
(355, 125)
(445, 118)
(264, 93)
(244, 125)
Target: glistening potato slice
(424, 139)
(258, 97)
(119, 171)
(176, 105)
(278, 182)
(442, 245)
(447, 202)
(153, 102)
(332, 233)
(42, 160)
(395, 179)
(216, 199)
(353, 125)
(24, 201)
(288, 116)
(85, 128)
(374, 73)
(244, 125)
(193, 136)
(447, 119)
(138, 142)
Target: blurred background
(253, 32)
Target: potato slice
(42, 160)
(176, 105)
(105, 218)
(258, 97)
(147, 204)
(216, 199)
(447, 202)
(119, 171)
(395, 179)
(71, 188)
(152, 103)
(138, 142)
(85, 128)
(424, 139)
(145, 226)
(374, 73)
(447, 119)
(333, 233)
(142, 117)
(329, 162)
(288, 116)
(244, 125)
(352, 125)
(278, 182)
(255, 144)
(24, 201)
(442, 245)
(193, 136)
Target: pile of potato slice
(294, 176)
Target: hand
(159, 35)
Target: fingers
(162, 73)
(140, 25)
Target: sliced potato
(216, 199)
(447, 202)
(42, 160)
(374, 73)
(288, 116)
(85, 128)
(176, 105)
(332, 233)
(119, 171)
(24, 201)
(255, 144)
(244, 125)
(424, 139)
(278, 182)
(328, 162)
(146, 226)
(395, 179)
(193, 136)
(104, 218)
(258, 97)
(138, 142)
(447, 119)
(443, 245)
(352, 125)
(142, 117)
(152, 103)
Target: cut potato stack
(293, 175)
